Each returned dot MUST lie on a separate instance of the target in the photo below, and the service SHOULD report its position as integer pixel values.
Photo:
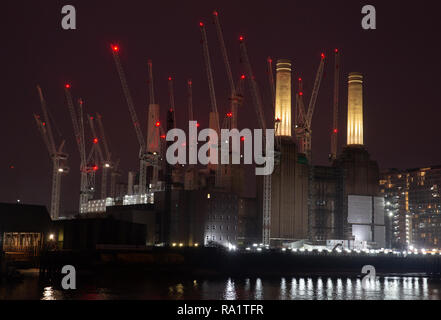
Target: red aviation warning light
(300, 79)
(201, 24)
(242, 77)
(336, 50)
(335, 130)
(215, 13)
(67, 85)
(95, 140)
(169, 78)
(115, 48)
(241, 38)
(322, 55)
(158, 124)
(300, 93)
(95, 168)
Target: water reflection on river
(286, 288)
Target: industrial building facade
(328, 205)
(289, 197)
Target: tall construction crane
(210, 79)
(153, 147)
(235, 99)
(59, 158)
(334, 134)
(214, 114)
(258, 105)
(190, 175)
(93, 157)
(273, 104)
(303, 131)
(304, 121)
(257, 99)
(87, 181)
(143, 155)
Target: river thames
(124, 287)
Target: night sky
(400, 62)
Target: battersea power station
(300, 205)
(321, 205)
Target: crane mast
(273, 104)
(153, 147)
(234, 98)
(190, 99)
(334, 134)
(135, 121)
(87, 179)
(104, 164)
(301, 114)
(58, 157)
(271, 82)
(171, 96)
(209, 75)
(258, 105)
(151, 86)
(304, 122)
(315, 90)
(108, 157)
(90, 167)
(214, 114)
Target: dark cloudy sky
(400, 61)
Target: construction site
(300, 204)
